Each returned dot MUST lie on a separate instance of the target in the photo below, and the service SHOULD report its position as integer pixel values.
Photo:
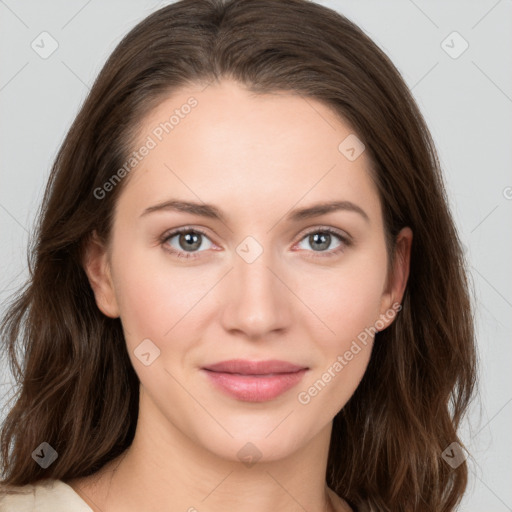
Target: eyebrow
(212, 212)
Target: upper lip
(246, 367)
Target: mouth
(254, 381)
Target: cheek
(345, 301)
(156, 299)
(348, 307)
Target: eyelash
(346, 242)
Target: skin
(256, 158)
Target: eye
(186, 242)
(321, 239)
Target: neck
(175, 472)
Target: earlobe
(96, 266)
(400, 274)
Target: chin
(257, 445)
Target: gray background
(467, 102)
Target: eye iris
(323, 239)
(192, 241)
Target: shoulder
(44, 496)
(17, 498)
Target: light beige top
(45, 496)
(56, 496)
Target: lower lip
(255, 388)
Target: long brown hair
(77, 390)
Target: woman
(247, 290)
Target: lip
(254, 381)
(246, 367)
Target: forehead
(226, 145)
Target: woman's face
(257, 278)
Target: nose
(257, 301)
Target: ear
(397, 281)
(97, 267)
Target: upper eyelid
(336, 231)
(343, 235)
